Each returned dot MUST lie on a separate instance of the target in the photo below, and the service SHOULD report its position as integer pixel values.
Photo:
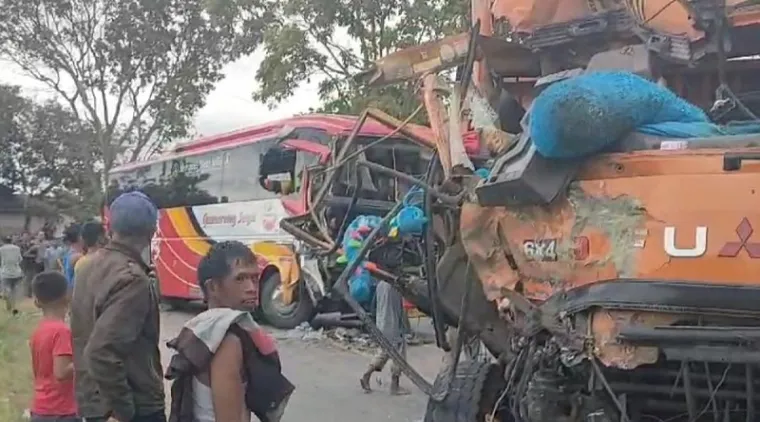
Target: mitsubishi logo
(744, 230)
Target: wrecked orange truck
(618, 287)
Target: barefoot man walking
(389, 317)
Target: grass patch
(15, 361)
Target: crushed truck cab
(619, 284)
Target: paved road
(326, 378)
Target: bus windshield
(239, 186)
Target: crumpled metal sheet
(606, 326)
(525, 15)
(665, 16)
(494, 236)
(436, 110)
(633, 210)
(488, 256)
(414, 62)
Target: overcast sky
(228, 107)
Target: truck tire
(472, 395)
(279, 315)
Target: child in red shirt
(52, 362)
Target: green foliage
(333, 40)
(134, 71)
(47, 156)
(45, 148)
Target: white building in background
(15, 215)
(12, 222)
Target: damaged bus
(239, 186)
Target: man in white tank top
(228, 276)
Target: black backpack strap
(267, 389)
(249, 348)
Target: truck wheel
(278, 314)
(473, 394)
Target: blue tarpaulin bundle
(580, 116)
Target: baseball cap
(133, 213)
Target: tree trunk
(27, 216)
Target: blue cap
(133, 213)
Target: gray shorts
(10, 284)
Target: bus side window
(203, 175)
(241, 173)
(277, 170)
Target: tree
(133, 71)
(12, 105)
(46, 150)
(336, 39)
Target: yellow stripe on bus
(184, 227)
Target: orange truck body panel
(654, 215)
(670, 17)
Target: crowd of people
(22, 257)
(95, 353)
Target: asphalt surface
(326, 375)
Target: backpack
(267, 390)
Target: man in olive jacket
(115, 323)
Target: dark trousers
(31, 269)
(156, 417)
(40, 418)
